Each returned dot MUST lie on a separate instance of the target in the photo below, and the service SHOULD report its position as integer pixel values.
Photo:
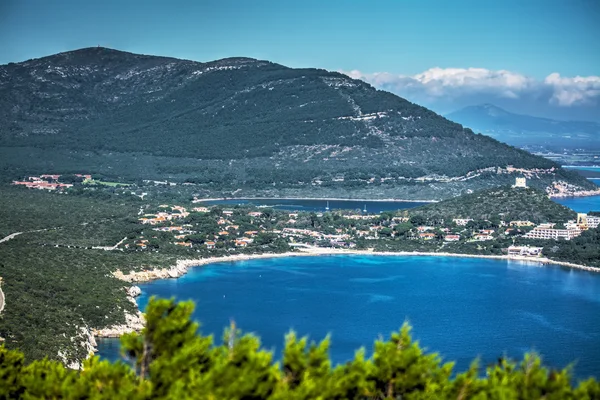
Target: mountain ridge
(242, 123)
(521, 129)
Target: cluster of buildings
(177, 212)
(424, 233)
(524, 251)
(47, 182)
(570, 230)
(338, 239)
(228, 228)
(295, 228)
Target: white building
(452, 238)
(520, 183)
(547, 231)
(462, 222)
(524, 251)
(587, 221)
(521, 223)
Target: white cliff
(177, 270)
(133, 322)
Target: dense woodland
(584, 249)
(509, 204)
(51, 290)
(53, 279)
(137, 117)
(173, 361)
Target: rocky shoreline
(133, 322)
(584, 193)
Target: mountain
(242, 126)
(525, 130)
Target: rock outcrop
(134, 291)
(564, 189)
(177, 270)
(85, 339)
(133, 322)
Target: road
(1, 300)
(6, 239)
(11, 236)
(115, 247)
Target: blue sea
(321, 205)
(460, 307)
(580, 204)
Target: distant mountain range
(525, 130)
(242, 126)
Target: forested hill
(241, 123)
(505, 202)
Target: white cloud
(450, 84)
(573, 91)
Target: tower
(582, 221)
(520, 183)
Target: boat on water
(327, 207)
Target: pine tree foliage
(171, 360)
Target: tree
(417, 220)
(172, 360)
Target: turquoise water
(460, 307)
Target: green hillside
(507, 202)
(241, 123)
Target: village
(208, 228)
(211, 229)
(49, 181)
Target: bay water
(460, 307)
(579, 204)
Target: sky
(536, 56)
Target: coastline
(585, 193)
(136, 322)
(182, 266)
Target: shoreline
(181, 267)
(586, 193)
(136, 322)
(317, 199)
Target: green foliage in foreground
(172, 361)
